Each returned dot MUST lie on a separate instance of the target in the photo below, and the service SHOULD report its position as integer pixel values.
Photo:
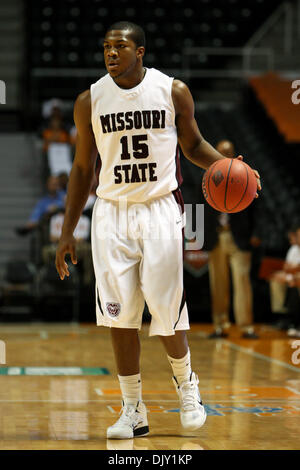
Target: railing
(186, 72)
(252, 49)
(249, 60)
(285, 12)
(243, 53)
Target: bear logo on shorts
(113, 308)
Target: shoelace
(189, 395)
(126, 416)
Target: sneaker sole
(195, 426)
(143, 431)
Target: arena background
(240, 60)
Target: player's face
(120, 53)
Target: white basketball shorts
(138, 256)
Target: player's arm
(80, 181)
(195, 148)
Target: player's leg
(133, 421)
(126, 346)
(162, 285)
(192, 411)
(176, 345)
(119, 305)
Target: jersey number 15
(139, 147)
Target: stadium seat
(17, 290)
(51, 291)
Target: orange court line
(273, 344)
(108, 391)
(258, 392)
(150, 408)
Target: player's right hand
(65, 245)
(240, 157)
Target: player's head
(124, 48)
(226, 148)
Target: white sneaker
(132, 422)
(192, 412)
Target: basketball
(229, 185)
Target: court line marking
(249, 351)
(292, 389)
(262, 356)
(35, 328)
(261, 400)
(78, 401)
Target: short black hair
(136, 32)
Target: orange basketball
(229, 185)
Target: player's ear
(140, 52)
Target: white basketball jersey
(136, 137)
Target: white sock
(181, 367)
(131, 388)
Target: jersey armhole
(171, 101)
(92, 101)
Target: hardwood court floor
(251, 390)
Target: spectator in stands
(55, 133)
(63, 179)
(50, 203)
(278, 285)
(52, 107)
(229, 239)
(292, 270)
(88, 208)
(83, 245)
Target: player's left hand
(66, 245)
(240, 157)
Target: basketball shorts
(138, 256)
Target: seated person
(88, 208)
(55, 132)
(47, 205)
(278, 282)
(63, 179)
(292, 269)
(83, 247)
(289, 277)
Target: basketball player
(135, 117)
